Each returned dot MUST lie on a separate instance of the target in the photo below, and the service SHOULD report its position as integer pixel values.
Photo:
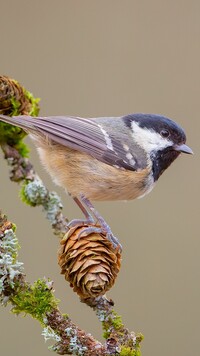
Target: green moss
(113, 322)
(34, 111)
(36, 300)
(126, 351)
(16, 105)
(10, 134)
(14, 135)
(140, 337)
(117, 321)
(22, 148)
(14, 227)
(106, 334)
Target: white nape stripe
(148, 139)
(107, 138)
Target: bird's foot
(94, 222)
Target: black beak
(183, 148)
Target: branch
(38, 299)
(33, 191)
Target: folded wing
(85, 135)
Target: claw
(90, 230)
(93, 218)
(114, 240)
(79, 222)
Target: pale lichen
(49, 334)
(74, 345)
(10, 267)
(34, 193)
(53, 207)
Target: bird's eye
(164, 133)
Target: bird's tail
(25, 122)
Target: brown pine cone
(89, 262)
(12, 97)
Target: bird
(104, 158)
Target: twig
(33, 190)
(38, 299)
(114, 331)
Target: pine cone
(12, 97)
(89, 262)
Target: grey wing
(85, 135)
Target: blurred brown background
(112, 57)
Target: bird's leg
(94, 218)
(89, 217)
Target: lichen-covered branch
(72, 339)
(38, 299)
(16, 100)
(33, 191)
(11, 270)
(117, 336)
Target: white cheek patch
(148, 139)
